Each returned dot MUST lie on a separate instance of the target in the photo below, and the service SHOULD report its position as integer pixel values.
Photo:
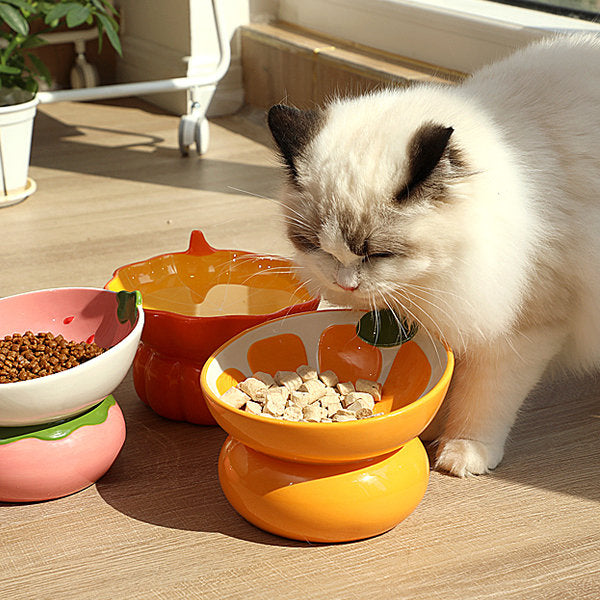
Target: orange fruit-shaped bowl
(328, 482)
(194, 301)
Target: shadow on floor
(130, 155)
(166, 475)
(555, 442)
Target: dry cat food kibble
(28, 355)
(305, 395)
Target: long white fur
(508, 268)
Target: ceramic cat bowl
(81, 314)
(195, 301)
(42, 462)
(328, 482)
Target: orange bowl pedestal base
(324, 502)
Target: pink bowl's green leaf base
(59, 429)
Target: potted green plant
(22, 25)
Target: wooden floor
(113, 189)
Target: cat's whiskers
(449, 315)
(302, 225)
(234, 263)
(435, 292)
(252, 256)
(298, 214)
(394, 294)
(507, 338)
(406, 311)
(377, 319)
(255, 195)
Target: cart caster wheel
(187, 125)
(84, 75)
(201, 136)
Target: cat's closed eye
(304, 243)
(376, 255)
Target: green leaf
(14, 19)
(100, 35)
(77, 15)
(58, 12)
(41, 68)
(32, 42)
(28, 7)
(31, 85)
(111, 32)
(9, 70)
(104, 6)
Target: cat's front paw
(462, 457)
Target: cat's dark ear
(425, 151)
(292, 129)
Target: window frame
(461, 35)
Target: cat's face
(366, 203)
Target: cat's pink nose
(348, 288)
(347, 278)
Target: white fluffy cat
(472, 209)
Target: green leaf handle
(127, 303)
(384, 328)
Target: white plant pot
(16, 128)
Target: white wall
(177, 38)
(158, 36)
(457, 34)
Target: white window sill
(456, 34)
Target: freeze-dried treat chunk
(345, 388)
(331, 404)
(314, 387)
(275, 403)
(329, 378)
(320, 398)
(313, 412)
(343, 415)
(261, 395)
(329, 391)
(235, 397)
(292, 413)
(290, 379)
(371, 387)
(299, 399)
(307, 372)
(252, 386)
(264, 377)
(278, 392)
(363, 413)
(253, 407)
(354, 407)
(283, 390)
(362, 398)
